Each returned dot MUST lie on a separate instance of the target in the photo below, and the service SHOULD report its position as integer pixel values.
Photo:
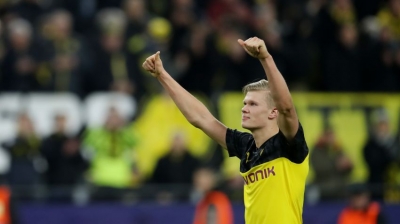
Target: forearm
(193, 110)
(277, 84)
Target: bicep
(215, 130)
(288, 123)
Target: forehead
(258, 96)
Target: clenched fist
(255, 47)
(153, 64)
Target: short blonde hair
(261, 85)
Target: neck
(263, 134)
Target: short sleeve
(236, 142)
(296, 149)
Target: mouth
(245, 118)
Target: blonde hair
(261, 85)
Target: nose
(244, 109)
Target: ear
(273, 114)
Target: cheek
(262, 110)
(260, 115)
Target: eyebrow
(249, 101)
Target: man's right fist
(255, 47)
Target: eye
(253, 104)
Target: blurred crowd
(99, 164)
(87, 46)
(380, 153)
(83, 46)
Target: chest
(256, 156)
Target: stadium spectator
(138, 17)
(113, 68)
(379, 153)
(389, 17)
(83, 13)
(331, 16)
(201, 61)
(27, 164)
(342, 65)
(212, 205)
(109, 52)
(19, 63)
(178, 165)
(66, 164)
(361, 209)
(331, 165)
(112, 168)
(183, 16)
(382, 71)
(62, 55)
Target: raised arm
(287, 120)
(193, 110)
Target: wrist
(265, 59)
(162, 74)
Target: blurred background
(87, 136)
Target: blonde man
(274, 157)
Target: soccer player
(274, 157)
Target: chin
(246, 126)
(250, 127)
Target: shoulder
(237, 142)
(295, 150)
(299, 136)
(235, 138)
(240, 134)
